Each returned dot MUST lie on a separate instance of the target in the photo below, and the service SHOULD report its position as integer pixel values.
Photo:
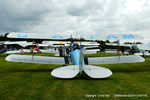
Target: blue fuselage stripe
(75, 57)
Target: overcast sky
(75, 16)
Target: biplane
(75, 56)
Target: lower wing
(35, 59)
(115, 59)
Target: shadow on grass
(78, 77)
(114, 70)
(83, 77)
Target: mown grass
(23, 81)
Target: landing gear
(66, 60)
(86, 60)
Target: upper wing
(65, 36)
(36, 36)
(35, 59)
(115, 37)
(115, 59)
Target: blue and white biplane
(75, 57)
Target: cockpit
(76, 46)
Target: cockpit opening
(76, 46)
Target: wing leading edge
(64, 36)
(115, 59)
(35, 59)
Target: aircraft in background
(136, 49)
(75, 56)
(48, 47)
(142, 49)
(2, 47)
(20, 47)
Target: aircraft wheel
(86, 60)
(66, 60)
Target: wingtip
(7, 58)
(10, 57)
(11, 34)
(141, 59)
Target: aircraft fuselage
(75, 54)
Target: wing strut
(81, 62)
(32, 50)
(118, 50)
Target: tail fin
(81, 61)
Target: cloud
(17, 14)
(85, 8)
(78, 16)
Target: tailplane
(66, 72)
(72, 71)
(97, 72)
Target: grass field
(23, 81)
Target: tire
(66, 60)
(86, 60)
